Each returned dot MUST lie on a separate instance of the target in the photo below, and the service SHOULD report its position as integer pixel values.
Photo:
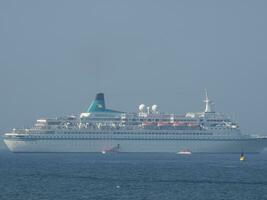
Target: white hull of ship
(256, 145)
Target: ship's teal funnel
(98, 105)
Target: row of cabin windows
(93, 137)
(141, 120)
(166, 133)
(140, 133)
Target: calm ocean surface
(131, 176)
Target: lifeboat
(178, 124)
(193, 125)
(148, 124)
(163, 124)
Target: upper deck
(97, 117)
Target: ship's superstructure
(104, 130)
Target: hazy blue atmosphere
(55, 55)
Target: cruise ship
(104, 130)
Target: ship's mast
(208, 103)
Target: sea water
(125, 176)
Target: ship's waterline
(104, 130)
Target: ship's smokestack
(101, 99)
(98, 104)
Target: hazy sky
(55, 55)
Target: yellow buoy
(242, 157)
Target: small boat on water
(184, 152)
(103, 152)
(111, 150)
(242, 157)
